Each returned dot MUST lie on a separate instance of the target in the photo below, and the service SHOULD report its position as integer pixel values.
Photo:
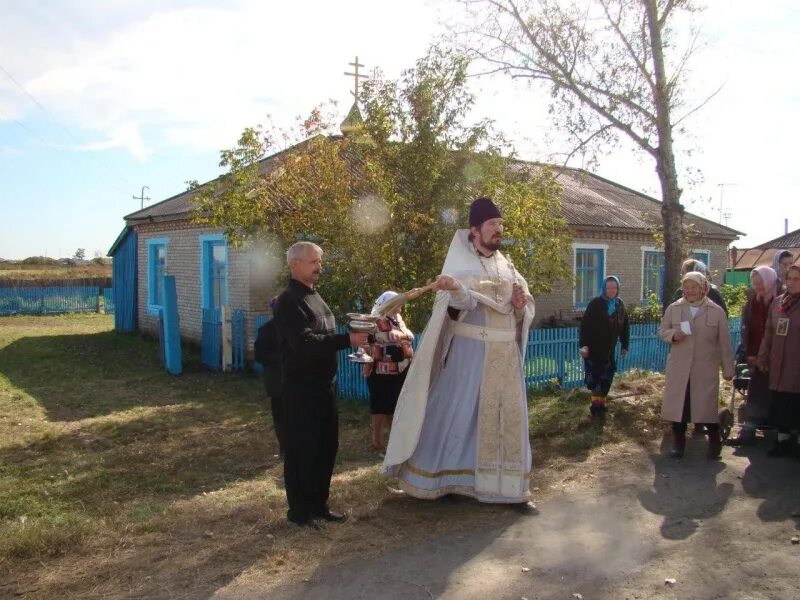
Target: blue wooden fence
(108, 300)
(238, 340)
(49, 300)
(552, 356)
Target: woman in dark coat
(604, 322)
(757, 409)
(778, 357)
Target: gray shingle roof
(748, 259)
(790, 240)
(589, 202)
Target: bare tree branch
(699, 106)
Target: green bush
(646, 313)
(735, 297)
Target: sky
(98, 99)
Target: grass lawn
(118, 480)
(21, 271)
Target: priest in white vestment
(461, 423)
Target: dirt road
(617, 527)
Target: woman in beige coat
(697, 330)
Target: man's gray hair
(298, 249)
(692, 264)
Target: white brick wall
(251, 285)
(623, 258)
(183, 261)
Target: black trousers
(686, 417)
(274, 392)
(786, 406)
(311, 440)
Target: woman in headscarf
(781, 262)
(692, 264)
(697, 331)
(392, 353)
(604, 322)
(757, 409)
(778, 357)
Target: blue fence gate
(211, 342)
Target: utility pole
(142, 197)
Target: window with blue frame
(156, 269)
(589, 270)
(213, 271)
(702, 256)
(653, 273)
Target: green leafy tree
(385, 200)
(735, 297)
(615, 69)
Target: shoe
(332, 517)
(714, 450)
(310, 523)
(676, 452)
(526, 508)
(741, 440)
(781, 448)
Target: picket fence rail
(551, 357)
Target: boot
(678, 445)
(714, 445)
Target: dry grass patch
(118, 480)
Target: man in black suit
(309, 345)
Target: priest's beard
(489, 243)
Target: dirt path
(617, 527)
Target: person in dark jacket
(604, 322)
(309, 347)
(758, 408)
(692, 265)
(268, 355)
(777, 357)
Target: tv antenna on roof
(721, 195)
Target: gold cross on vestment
(356, 76)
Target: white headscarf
(385, 296)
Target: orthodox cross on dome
(356, 76)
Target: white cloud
(198, 76)
(9, 151)
(123, 136)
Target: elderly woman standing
(758, 408)
(604, 322)
(697, 330)
(392, 352)
(778, 357)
